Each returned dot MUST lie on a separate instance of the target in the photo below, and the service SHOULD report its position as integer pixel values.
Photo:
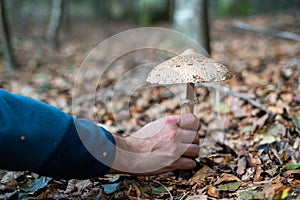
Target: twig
(171, 196)
(235, 94)
(267, 31)
(277, 156)
(181, 198)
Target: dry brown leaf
(197, 197)
(275, 180)
(295, 172)
(257, 174)
(254, 158)
(294, 183)
(275, 109)
(227, 178)
(136, 198)
(271, 171)
(213, 192)
(202, 174)
(261, 121)
(277, 191)
(77, 185)
(137, 190)
(70, 186)
(241, 166)
(249, 174)
(8, 181)
(236, 106)
(286, 97)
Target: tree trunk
(191, 18)
(7, 47)
(55, 22)
(171, 10)
(203, 27)
(66, 19)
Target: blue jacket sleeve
(40, 138)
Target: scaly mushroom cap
(188, 67)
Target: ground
(250, 139)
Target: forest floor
(250, 146)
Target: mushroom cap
(188, 67)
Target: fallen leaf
(250, 194)
(227, 178)
(277, 192)
(254, 158)
(110, 188)
(137, 190)
(247, 128)
(249, 174)
(265, 138)
(269, 135)
(292, 166)
(77, 185)
(275, 109)
(17, 195)
(213, 192)
(295, 172)
(222, 109)
(8, 182)
(286, 97)
(236, 107)
(296, 121)
(241, 166)
(33, 185)
(257, 174)
(197, 197)
(202, 174)
(261, 121)
(275, 180)
(296, 143)
(272, 172)
(158, 190)
(295, 183)
(230, 186)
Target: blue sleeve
(40, 138)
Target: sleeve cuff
(86, 151)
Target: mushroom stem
(190, 95)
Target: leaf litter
(254, 155)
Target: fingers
(187, 136)
(186, 121)
(192, 150)
(183, 163)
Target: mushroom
(189, 67)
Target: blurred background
(59, 22)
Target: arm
(37, 137)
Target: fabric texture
(41, 138)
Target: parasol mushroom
(189, 67)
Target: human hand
(161, 146)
